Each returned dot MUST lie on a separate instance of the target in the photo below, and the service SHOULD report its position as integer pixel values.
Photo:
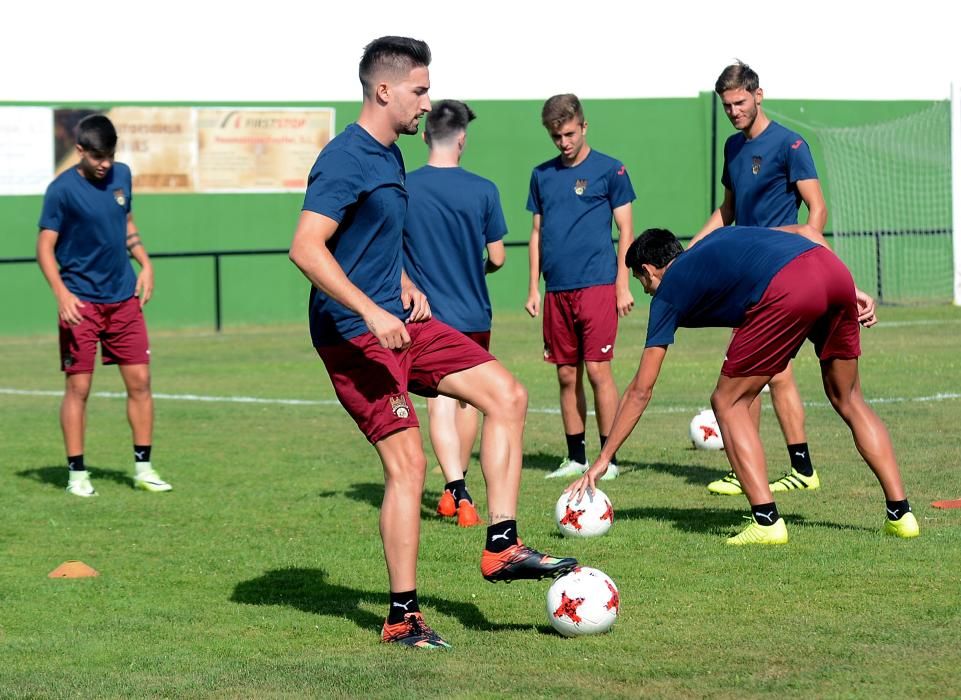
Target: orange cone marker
(73, 569)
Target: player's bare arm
(533, 305)
(413, 299)
(68, 305)
(624, 220)
(813, 198)
(631, 407)
(309, 252)
(144, 288)
(496, 256)
(722, 216)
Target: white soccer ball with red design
(585, 601)
(589, 517)
(705, 432)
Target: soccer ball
(585, 601)
(705, 432)
(589, 517)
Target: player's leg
(562, 347)
(452, 433)
(78, 353)
(790, 415)
(731, 402)
(728, 485)
(140, 415)
(601, 377)
(502, 399)
(842, 385)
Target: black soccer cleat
(520, 562)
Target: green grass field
(261, 574)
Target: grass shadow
(372, 493)
(690, 473)
(309, 590)
(713, 521)
(57, 476)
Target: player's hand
(625, 301)
(68, 307)
(144, 289)
(533, 305)
(416, 301)
(866, 309)
(389, 330)
(579, 488)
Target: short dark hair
(560, 109)
(398, 55)
(737, 76)
(446, 119)
(656, 247)
(96, 133)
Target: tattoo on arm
(133, 240)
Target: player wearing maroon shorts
(372, 328)
(776, 288)
(572, 199)
(454, 217)
(87, 236)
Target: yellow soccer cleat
(761, 534)
(906, 527)
(796, 481)
(726, 486)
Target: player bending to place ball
(776, 288)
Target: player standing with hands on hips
(87, 236)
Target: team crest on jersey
(398, 404)
(756, 165)
(580, 187)
(119, 197)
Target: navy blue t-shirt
(576, 207)
(359, 183)
(763, 174)
(715, 282)
(452, 215)
(90, 219)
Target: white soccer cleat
(568, 468)
(78, 484)
(612, 472)
(149, 480)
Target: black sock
(613, 456)
(75, 463)
(459, 490)
(576, 449)
(801, 458)
(401, 604)
(501, 536)
(141, 453)
(765, 514)
(897, 509)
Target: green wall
(665, 143)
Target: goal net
(888, 190)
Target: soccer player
(87, 235)
(573, 198)
(775, 288)
(453, 216)
(372, 329)
(768, 171)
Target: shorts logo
(580, 187)
(606, 348)
(756, 165)
(398, 404)
(119, 197)
(547, 351)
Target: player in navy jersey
(453, 218)
(87, 236)
(372, 328)
(573, 198)
(776, 289)
(768, 171)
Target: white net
(888, 190)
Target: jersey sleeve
(620, 190)
(496, 227)
(51, 216)
(128, 181)
(534, 196)
(661, 324)
(335, 183)
(800, 162)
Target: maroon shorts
(119, 328)
(580, 325)
(372, 383)
(811, 297)
(482, 338)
